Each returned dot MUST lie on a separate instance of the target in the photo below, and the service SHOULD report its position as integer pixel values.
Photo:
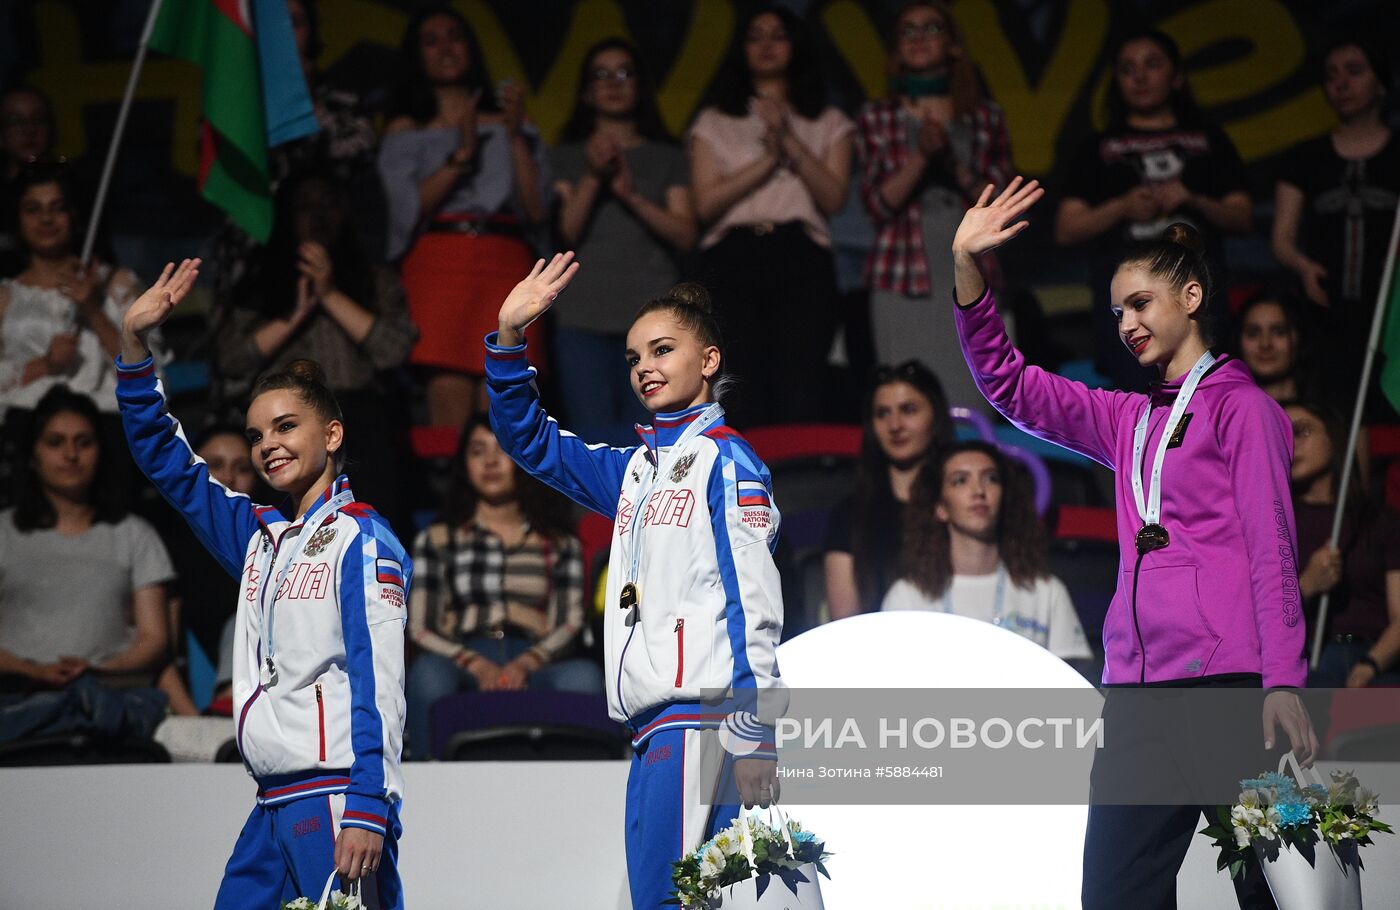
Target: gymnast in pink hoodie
(1207, 589)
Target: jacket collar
(666, 429)
(269, 515)
(1166, 391)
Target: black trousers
(1132, 853)
(775, 296)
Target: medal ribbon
(1151, 512)
(707, 419)
(996, 603)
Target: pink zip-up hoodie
(1223, 596)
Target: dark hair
(1375, 54)
(964, 87)
(1301, 372)
(413, 95)
(44, 172)
(26, 88)
(545, 510)
(214, 431)
(690, 305)
(1361, 506)
(806, 84)
(314, 45)
(271, 287)
(1177, 257)
(1183, 102)
(585, 118)
(874, 531)
(308, 380)
(926, 558)
(33, 510)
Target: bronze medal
(628, 598)
(1151, 537)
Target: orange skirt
(455, 284)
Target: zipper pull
(318, 693)
(680, 624)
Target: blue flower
(803, 837)
(1271, 781)
(1292, 815)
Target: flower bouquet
(739, 866)
(1306, 836)
(330, 900)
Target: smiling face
(1154, 320)
(290, 444)
(767, 47)
(1351, 85)
(669, 367)
(45, 222)
(489, 470)
(1268, 344)
(444, 48)
(65, 456)
(903, 421)
(612, 83)
(923, 40)
(1146, 76)
(970, 503)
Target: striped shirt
(469, 582)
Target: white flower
(1241, 836)
(727, 843)
(711, 862)
(744, 844)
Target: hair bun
(692, 294)
(1185, 235)
(306, 370)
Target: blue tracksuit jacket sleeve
(222, 519)
(745, 524)
(590, 475)
(375, 574)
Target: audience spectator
(466, 177)
(906, 420)
(1334, 205)
(58, 320)
(974, 546)
(497, 600)
(26, 135)
(1158, 162)
(625, 209)
(1268, 338)
(770, 163)
(345, 146)
(926, 152)
(82, 582)
(204, 595)
(1362, 637)
(314, 295)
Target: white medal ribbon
(707, 419)
(267, 672)
(1151, 512)
(997, 617)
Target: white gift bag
(1314, 877)
(354, 892)
(794, 889)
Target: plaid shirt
(898, 261)
(475, 585)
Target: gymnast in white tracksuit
(694, 603)
(318, 648)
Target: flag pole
(101, 199)
(1372, 345)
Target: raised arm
(221, 519)
(589, 475)
(1054, 408)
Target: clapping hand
(988, 224)
(532, 298)
(83, 285)
(315, 265)
(154, 307)
(512, 97)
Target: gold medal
(1151, 537)
(628, 598)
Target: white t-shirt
(1043, 612)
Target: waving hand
(532, 298)
(154, 307)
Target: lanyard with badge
(267, 673)
(1152, 536)
(630, 598)
(1000, 596)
